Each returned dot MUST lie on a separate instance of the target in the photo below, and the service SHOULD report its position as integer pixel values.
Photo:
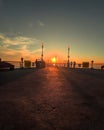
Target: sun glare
(53, 60)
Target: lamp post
(92, 64)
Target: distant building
(40, 63)
(85, 64)
(27, 64)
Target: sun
(54, 60)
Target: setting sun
(53, 60)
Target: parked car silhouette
(6, 65)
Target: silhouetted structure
(40, 63)
(27, 64)
(71, 63)
(85, 64)
(92, 63)
(21, 64)
(6, 65)
(68, 58)
(79, 65)
(42, 52)
(74, 64)
(102, 67)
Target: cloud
(41, 23)
(19, 46)
(18, 40)
(2, 36)
(31, 25)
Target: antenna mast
(42, 52)
(68, 57)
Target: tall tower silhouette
(42, 52)
(68, 58)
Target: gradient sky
(25, 24)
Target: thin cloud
(8, 52)
(18, 40)
(41, 23)
(23, 52)
(31, 25)
(19, 46)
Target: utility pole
(68, 57)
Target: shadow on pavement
(9, 76)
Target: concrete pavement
(52, 99)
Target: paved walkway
(52, 99)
